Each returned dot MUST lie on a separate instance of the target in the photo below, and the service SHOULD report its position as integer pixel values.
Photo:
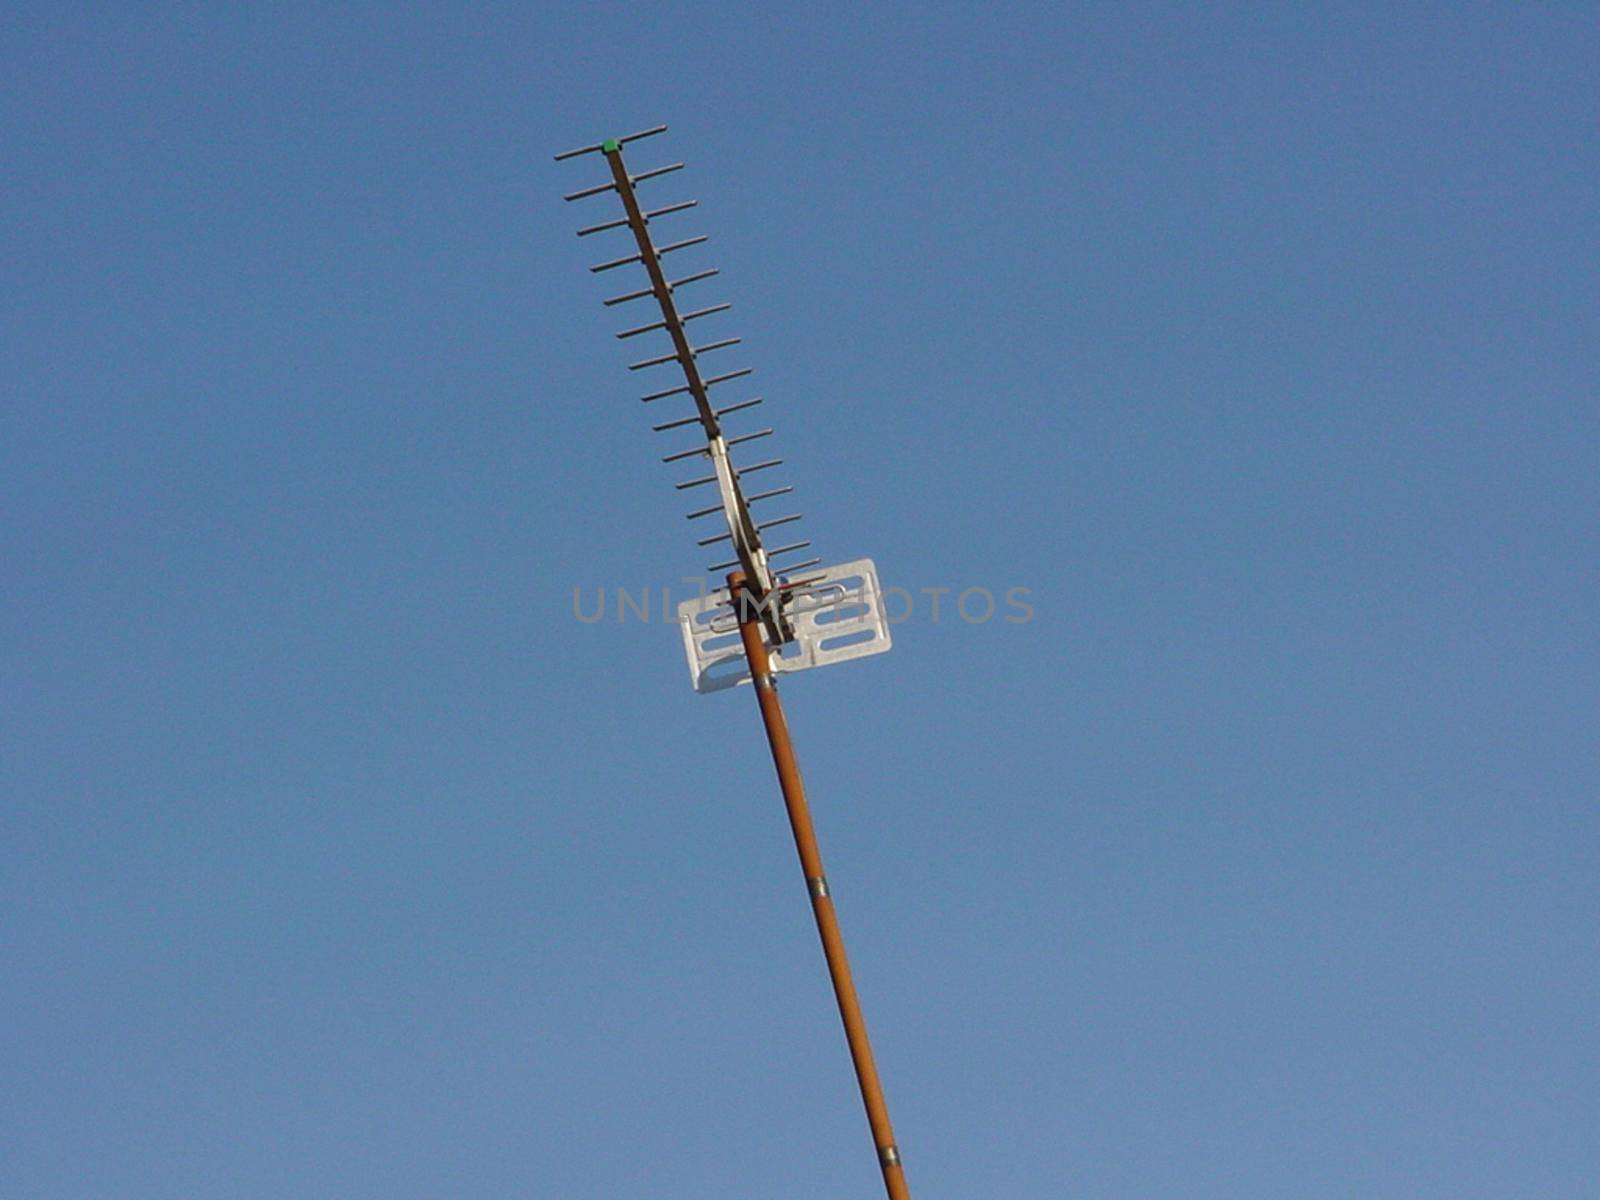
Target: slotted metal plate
(837, 615)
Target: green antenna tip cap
(610, 146)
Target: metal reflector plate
(837, 615)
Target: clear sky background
(1259, 342)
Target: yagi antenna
(777, 614)
(798, 603)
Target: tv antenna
(770, 618)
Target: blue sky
(1258, 342)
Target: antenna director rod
(805, 840)
(663, 293)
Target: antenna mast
(768, 620)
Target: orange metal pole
(805, 841)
